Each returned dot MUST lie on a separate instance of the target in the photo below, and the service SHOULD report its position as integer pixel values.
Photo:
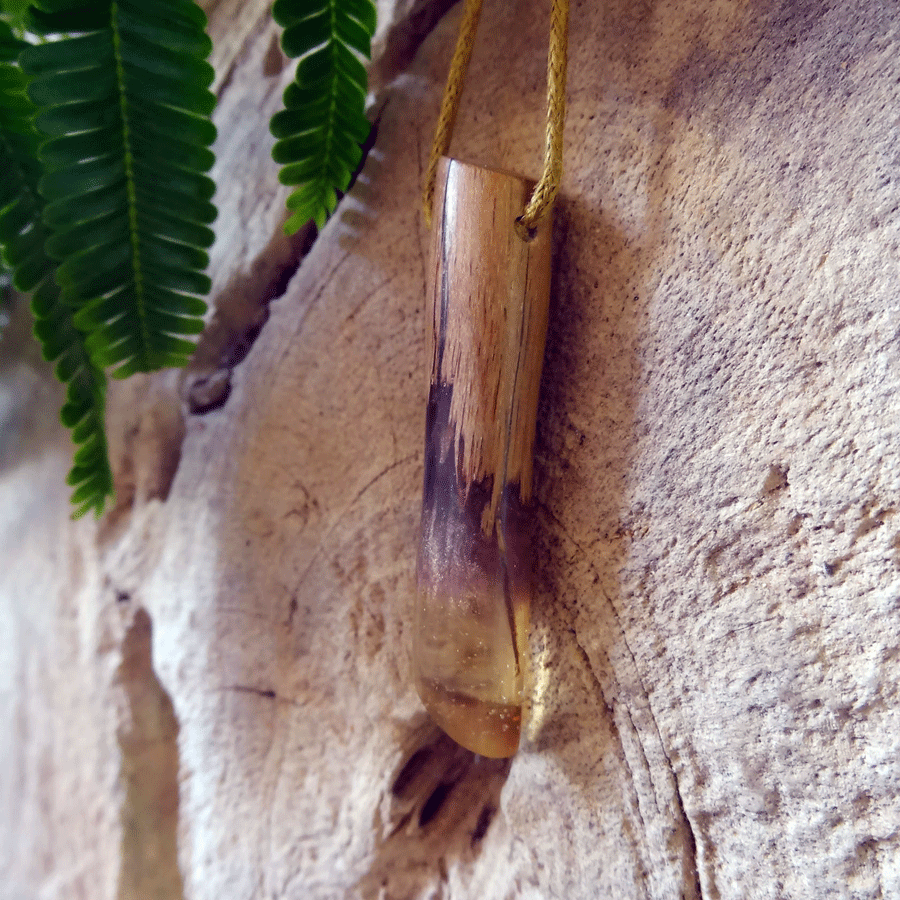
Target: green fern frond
(125, 105)
(323, 124)
(22, 240)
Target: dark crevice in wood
(242, 309)
(485, 817)
(410, 771)
(443, 800)
(436, 799)
(266, 693)
(691, 887)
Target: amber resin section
(472, 607)
(487, 306)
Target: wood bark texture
(207, 695)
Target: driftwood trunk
(208, 695)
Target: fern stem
(332, 107)
(140, 300)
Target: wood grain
(717, 486)
(488, 304)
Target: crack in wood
(266, 693)
(692, 889)
(242, 310)
(691, 884)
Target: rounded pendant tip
(488, 729)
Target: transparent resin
(472, 605)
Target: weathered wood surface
(718, 480)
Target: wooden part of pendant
(487, 304)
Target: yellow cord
(547, 188)
(450, 103)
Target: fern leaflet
(323, 124)
(22, 239)
(13, 12)
(124, 101)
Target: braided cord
(547, 188)
(459, 65)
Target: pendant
(487, 308)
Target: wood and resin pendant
(487, 309)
